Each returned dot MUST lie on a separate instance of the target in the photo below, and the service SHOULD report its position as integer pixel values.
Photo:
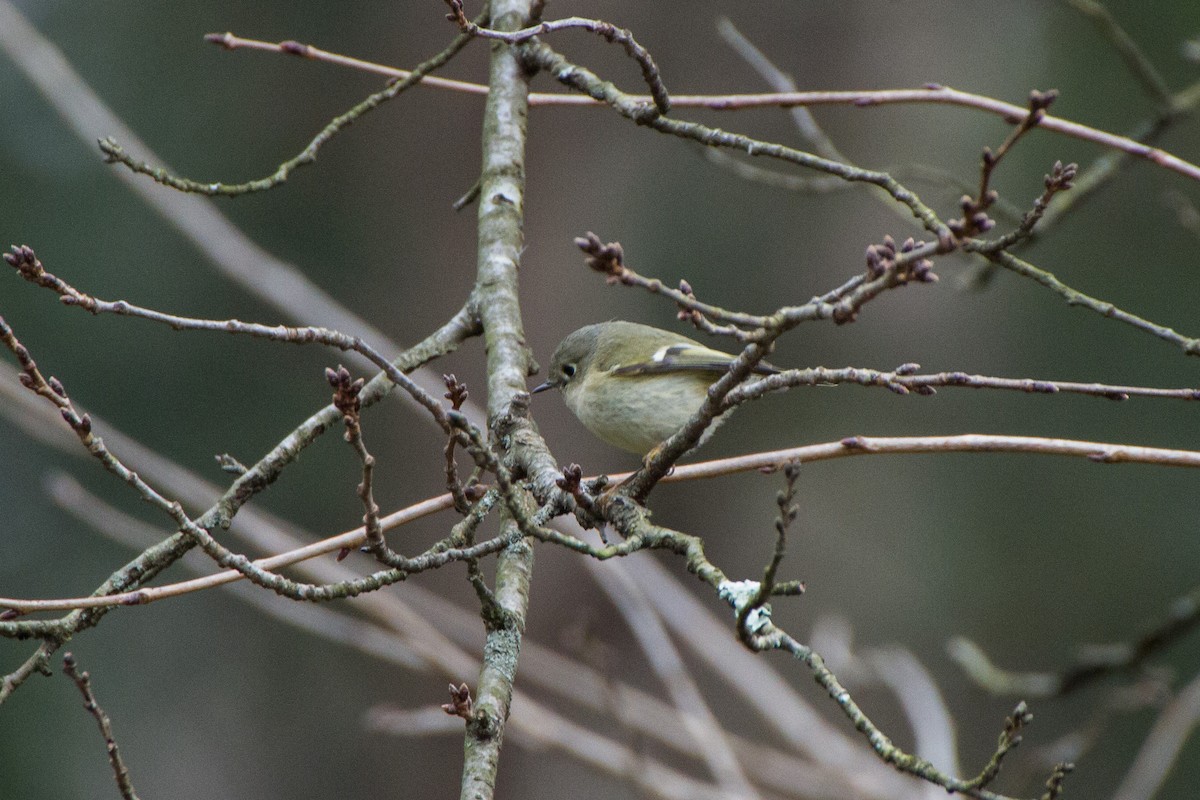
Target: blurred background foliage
(1027, 556)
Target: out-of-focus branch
(1137, 62)
(702, 725)
(780, 81)
(411, 637)
(1161, 748)
(1092, 664)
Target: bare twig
(346, 399)
(1190, 346)
(605, 30)
(456, 393)
(772, 638)
(115, 153)
(83, 682)
(975, 219)
(1061, 178)
(936, 94)
(754, 613)
(1097, 452)
(905, 380)
(27, 265)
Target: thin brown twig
(84, 682)
(1096, 452)
(346, 392)
(27, 265)
(940, 95)
(115, 153)
(933, 93)
(456, 393)
(975, 219)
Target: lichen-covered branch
(500, 241)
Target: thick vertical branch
(501, 216)
(501, 210)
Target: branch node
(460, 702)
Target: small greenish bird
(633, 385)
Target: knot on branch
(26, 263)
(1061, 177)
(294, 48)
(460, 702)
(22, 258)
(975, 219)
(584, 493)
(222, 39)
(608, 259)
(1038, 103)
(457, 15)
(456, 391)
(885, 259)
(345, 392)
(686, 314)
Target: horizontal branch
(349, 540)
(904, 380)
(1099, 452)
(25, 262)
(869, 98)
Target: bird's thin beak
(541, 387)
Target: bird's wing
(686, 357)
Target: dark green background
(1028, 556)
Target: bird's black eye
(568, 370)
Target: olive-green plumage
(633, 385)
